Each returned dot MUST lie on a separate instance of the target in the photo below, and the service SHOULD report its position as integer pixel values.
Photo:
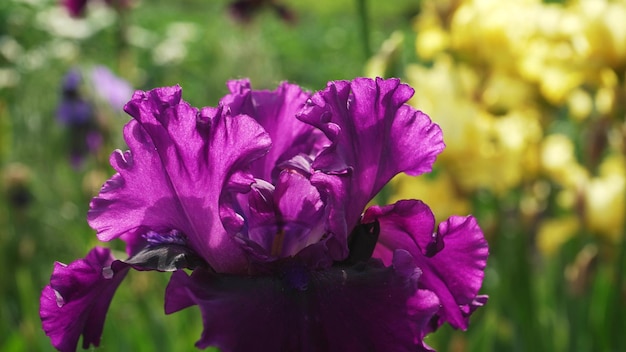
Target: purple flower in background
(78, 117)
(77, 8)
(264, 198)
(84, 120)
(244, 10)
(114, 90)
(73, 109)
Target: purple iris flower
(78, 116)
(76, 8)
(73, 109)
(262, 200)
(244, 10)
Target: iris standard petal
(374, 134)
(366, 307)
(279, 221)
(179, 163)
(452, 259)
(77, 299)
(276, 112)
(302, 211)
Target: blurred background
(530, 94)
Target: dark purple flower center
(297, 277)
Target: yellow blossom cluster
(558, 47)
(531, 96)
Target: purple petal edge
(77, 299)
(452, 259)
(276, 111)
(374, 135)
(180, 161)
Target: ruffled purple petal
(180, 161)
(77, 299)
(374, 136)
(302, 211)
(276, 112)
(452, 259)
(367, 307)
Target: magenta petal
(276, 112)
(374, 134)
(179, 163)
(302, 211)
(280, 222)
(367, 307)
(452, 260)
(77, 299)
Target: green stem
(124, 61)
(364, 27)
(617, 318)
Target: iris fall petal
(452, 259)
(367, 307)
(77, 299)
